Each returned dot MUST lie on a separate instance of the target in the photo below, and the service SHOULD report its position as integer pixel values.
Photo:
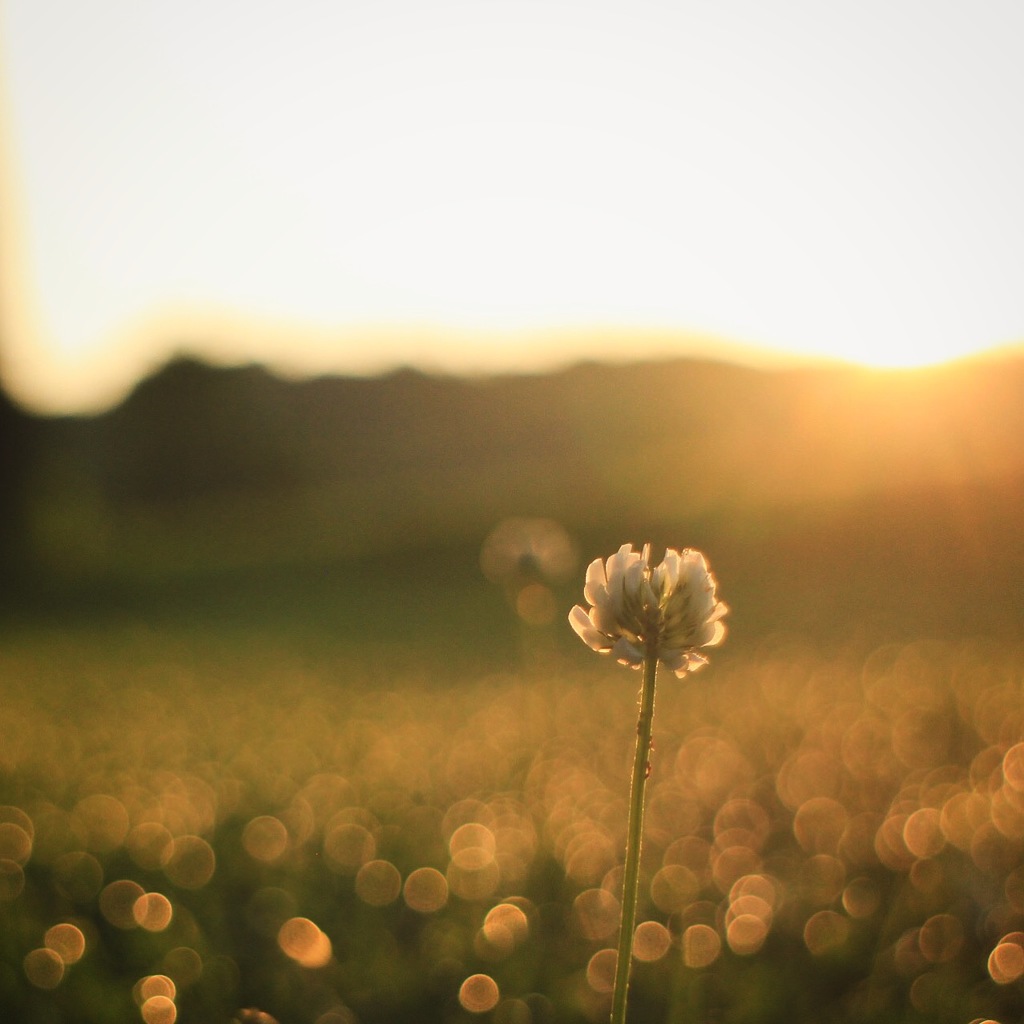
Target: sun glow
(508, 196)
(907, 353)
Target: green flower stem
(634, 835)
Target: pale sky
(503, 184)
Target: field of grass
(426, 828)
(272, 747)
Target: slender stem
(634, 835)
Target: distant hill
(904, 479)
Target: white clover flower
(670, 608)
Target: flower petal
(605, 617)
(626, 653)
(597, 581)
(587, 632)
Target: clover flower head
(670, 608)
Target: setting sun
(909, 353)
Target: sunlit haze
(503, 185)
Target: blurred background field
(292, 721)
(830, 500)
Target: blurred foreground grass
(413, 821)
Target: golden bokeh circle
(701, 945)
(1006, 963)
(189, 862)
(651, 941)
(479, 993)
(303, 941)
(825, 932)
(153, 911)
(159, 1010)
(378, 883)
(425, 890)
(67, 941)
(44, 968)
(117, 903)
(265, 838)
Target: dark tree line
(16, 445)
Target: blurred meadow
(293, 727)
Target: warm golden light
(300, 939)
(67, 941)
(479, 993)
(44, 968)
(824, 810)
(153, 912)
(495, 189)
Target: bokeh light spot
(159, 1010)
(961, 816)
(1013, 767)
(101, 822)
(146, 844)
(265, 838)
(749, 904)
(303, 941)
(596, 912)
(890, 846)
(941, 938)
(479, 993)
(819, 824)
(44, 968)
(117, 903)
(504, 927)
(153, 911)
(651, 941)
(154, 985)
(861, 898)
(746, 934)
(701, 945)
(922, 833)
(825, 931)
(474, 883)
(508, 917)
(16, 816)
(673, 887)
(67, 941)
(823, 877)
(425, 890)
(807, 774)
(601, 970)
(755, 885)
(732, 863)
(1006, 962)
(348, 845)
(15, 842)
(472, 845)
(378, 883)
(189, 862)
(522, 549)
